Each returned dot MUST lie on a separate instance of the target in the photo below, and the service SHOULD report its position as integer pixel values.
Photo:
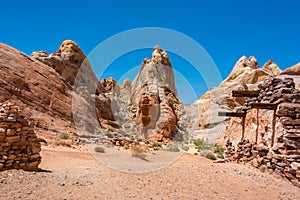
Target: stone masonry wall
(283, 156)
(19, 146)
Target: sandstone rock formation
(154, 96)
(294, 70)
(110, 85)
(45, 87)
(68, 61)
(245, 73)
(19, 146)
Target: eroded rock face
(110, 86)
(148, 113)
(44, 87)
(247, 71)
(244, 75)
(294, 70)
(155, 96)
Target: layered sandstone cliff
(46, 85)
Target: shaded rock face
(154, 95)
(44, 87)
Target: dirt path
(70, 174)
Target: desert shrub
(156, 144)
(109, 130)
(62, 143)
(205, 148)
(109, 135)
(173, 148)
(219, 150)
(99, 150)
(139, 151)
(203, 144)
(64, 136)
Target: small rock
(61, 184)
(295, 165)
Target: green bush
(156, 144)
(173, 148)
(219, 151)
(64, 136)
(99, 150)
(203, 144)
(109, 135)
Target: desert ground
(67, 173)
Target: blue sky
(226, 29)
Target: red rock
(42, 85)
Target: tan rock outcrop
(43, 87)
(294, 70)
(155, 95)
(243, 76)
(247, 71)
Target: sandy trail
(70, 174)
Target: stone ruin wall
(19, 146)
(278, 152)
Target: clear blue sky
(267, 29)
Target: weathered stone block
(12, 138)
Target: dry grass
(139, 151)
